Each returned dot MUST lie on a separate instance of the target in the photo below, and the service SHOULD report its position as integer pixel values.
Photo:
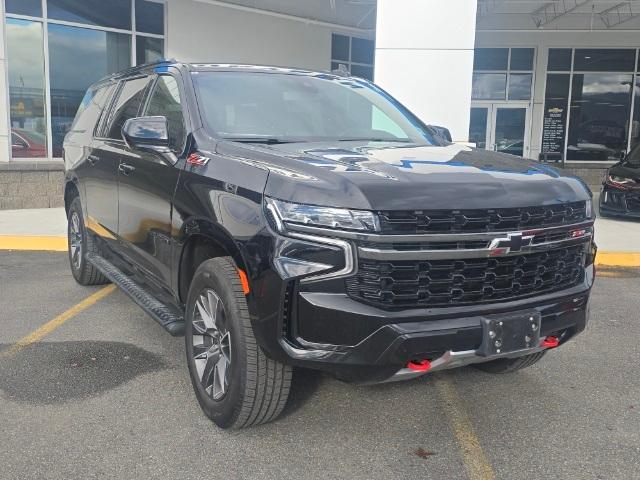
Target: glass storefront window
(635, 124)
(559, 60)
(32, 8)
(521, 59)
(149, 49)
(489, 86)
(599, 118)
(25, 58)
(149, 17)
(604, 60)
(77, 58)
(520, 86)
(490, 58)
(111, 14)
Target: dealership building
(553, 80)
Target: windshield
(279, 107)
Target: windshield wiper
(265, 140)
(395, 140)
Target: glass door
(509, 130)
(503, 127)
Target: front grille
(485, 220)
(633, 203)
(407, 284)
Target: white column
(4, 93)
(424, 58)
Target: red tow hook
(550, 342)
(419, 365)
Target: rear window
(91, 108)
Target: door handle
(126, 169)
(93, 159)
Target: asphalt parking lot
(106, 395)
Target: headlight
(339, 218)
(620, 180)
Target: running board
(171, 319)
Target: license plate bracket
(509, 333)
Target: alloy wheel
(75, 240)
(211, 344)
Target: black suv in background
(620, 191)
(284, 218)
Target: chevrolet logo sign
(512, 243)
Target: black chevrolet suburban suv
(284, 218)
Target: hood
(386, 176)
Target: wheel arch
(207, 242)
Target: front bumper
(450, 337)
(617, 202)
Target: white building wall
(542, 41)
(424, 58)
(198, 31)
(4, 93)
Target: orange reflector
(244, 281)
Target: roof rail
(137, 68)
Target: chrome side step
(171, 319)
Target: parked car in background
(620, 191)
(285, 218)
(28, 144)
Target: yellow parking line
(473, 457)
(38, 243)
(618, 259)
(51, 325)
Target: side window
(91, 108)
(126, 105)
(165, 102)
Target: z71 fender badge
(195, 159)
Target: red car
(27, 144)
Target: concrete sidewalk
(612, 235)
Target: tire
(236, 385)
(79, 244)
(508, 365)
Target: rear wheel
(508, 365)
(236, 385)
(80, 243)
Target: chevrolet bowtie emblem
(512, 243)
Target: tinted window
(605, 60)
(635, 130)
(91, 108)
(559, 59)
(340, 47)
(149, 17)
(25, 58)
(489, 86)
(165, 102)
(112, 13)
(149, 49)
(24, 7)
(362, 50)
(520, 86)
(127, 105)
(598, 128)
(362, 71)
(78, 58)
(522, 59)
(490, 58)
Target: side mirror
(146, 132)
(443, 132)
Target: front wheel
(508, 365)
(236, 385)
